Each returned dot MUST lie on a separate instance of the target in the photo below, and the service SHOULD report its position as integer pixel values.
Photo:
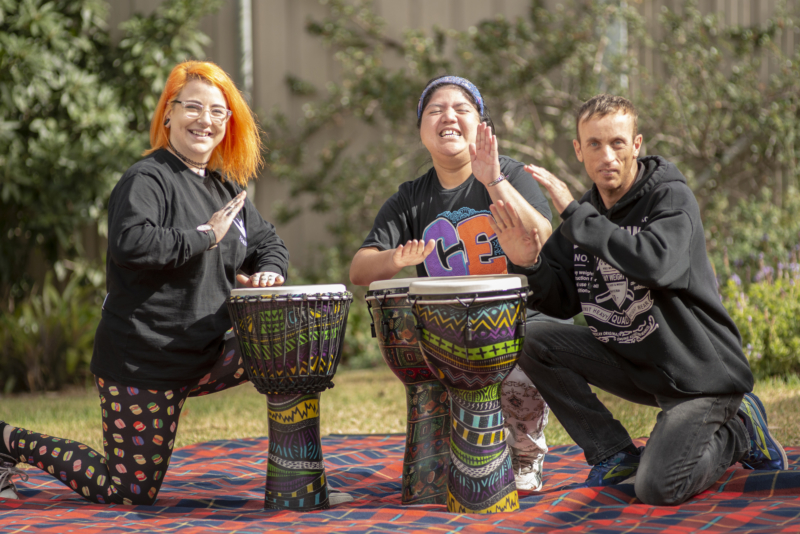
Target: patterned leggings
(139, 428)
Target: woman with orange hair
(181, 232)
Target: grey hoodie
(640, 274)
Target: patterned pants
(139, 429)
(525, 413)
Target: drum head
(457, 285)
(288, 290)
(394, 283)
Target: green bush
(47, 340)
(766, 313)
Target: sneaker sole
(9, 492)
(761, 412)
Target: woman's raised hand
(413, 253)
(221, 221)
(519, 245)
(484, 155)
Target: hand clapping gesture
(558, 190)
(484, 156)
(220, 221)
(413, 253)
(520, 246)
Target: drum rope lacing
(307, 382)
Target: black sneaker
(616, 468)
(8, 468)
(765, 451)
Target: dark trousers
(693, 442)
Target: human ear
(577, 146)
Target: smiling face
(196, 138)
(449, 124)
(608, 150)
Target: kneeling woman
(180, 228)
(449, 204)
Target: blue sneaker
(765, 451)
(616, 468)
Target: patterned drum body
(427, 451)
(290, 339)
(472, 340)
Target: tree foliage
(713, 107)
(74, 113)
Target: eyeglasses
(194, 110)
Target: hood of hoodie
(657, 171)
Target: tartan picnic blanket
(218, 486)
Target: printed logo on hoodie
(611, 298)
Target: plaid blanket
(218, 486)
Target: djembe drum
(472, 330)
(291, 341)
(427, 451)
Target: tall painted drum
(471, 332)
(291, 342)
(427, 452)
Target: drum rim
(469, 282)
(468, 299)
(387, 293)
(397, 283)
(283, 291)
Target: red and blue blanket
(218, 486)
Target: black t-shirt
(457, 219)
(165, 315)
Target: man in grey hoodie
(631, 256)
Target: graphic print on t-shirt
(610, 297)
(465, 245)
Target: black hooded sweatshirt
(165, 315)
(640, 274)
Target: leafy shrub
(46, 342)
(766, 313)
(749, 237)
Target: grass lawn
(363, 402)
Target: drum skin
(427, 449)
(291, 346)
(471, 347)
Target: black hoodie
(165, 316)
(640, 274)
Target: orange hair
(238, 156)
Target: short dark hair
(485, 118)
(603, 105)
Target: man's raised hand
(558, 190)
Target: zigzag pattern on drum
(493, 322)
(302, 410)
(480, 380)
(507, 503)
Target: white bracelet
(497, 180)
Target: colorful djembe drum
(427, 452)
(472, 330)
(291, 341)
